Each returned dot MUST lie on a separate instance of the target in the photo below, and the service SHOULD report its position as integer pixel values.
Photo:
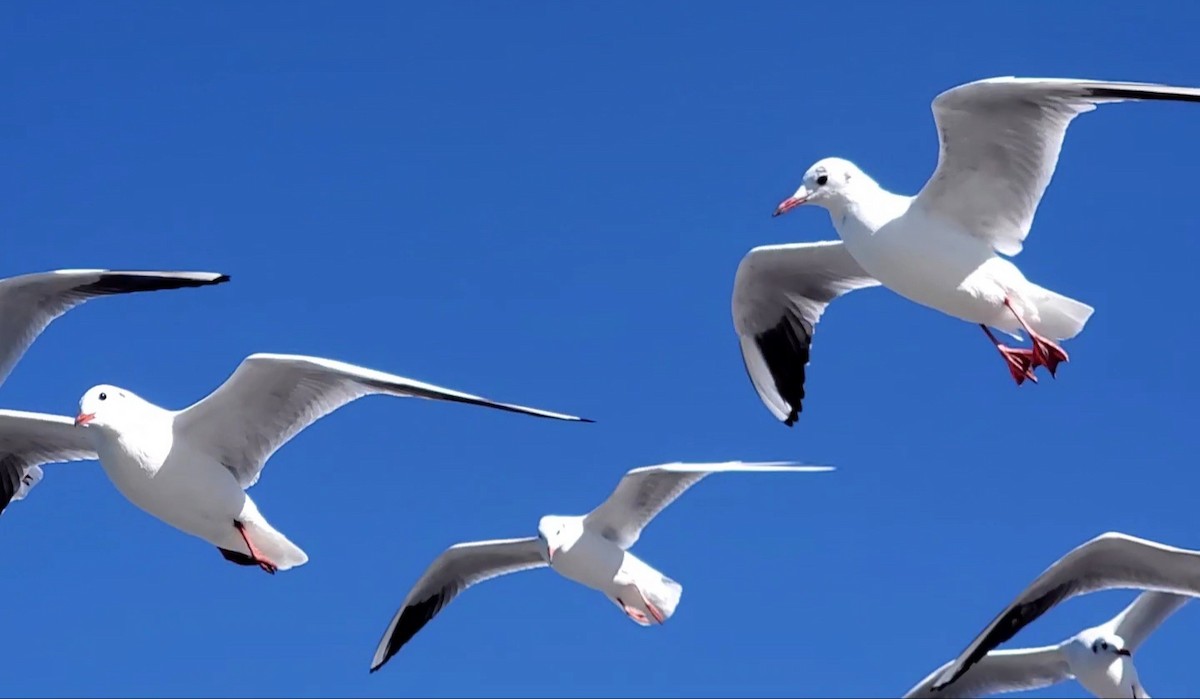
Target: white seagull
(191, 467)
(1100, 657)
(30, 302)
(592, 550)
(1109, 561)
(1000, 140)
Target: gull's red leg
(632, 613)
(1020, 361)
(654, 612)
(1045, 352)
(254, 553)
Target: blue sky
(545, 203)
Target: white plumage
(589, 549)
(1109, 561)
(1000, 140)
(190, 467)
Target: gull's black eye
(103, 396)
(822, 180)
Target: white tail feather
(275, 546)
(1059, 317)
(665, 596)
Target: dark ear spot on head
(846, 175)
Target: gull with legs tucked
(1000, 141)
(592, 550)
(191, 467)
(1109, 561)
(1100, 657)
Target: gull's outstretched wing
(1111, 560)
(30, 302)
(1144, 615)
(272, 397)
(779, 294)
(458, 568)
(1000, 671)
(644, 492)
(1000, 139)
(30, 440)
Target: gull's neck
(868, 206)
(146, 438)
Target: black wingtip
(1133, 93)
(585, 419)
(785, 349)
(1007, 625)
(134, 282)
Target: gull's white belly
(1117, 679)
(598, 563)
(200, 498)
(946, 270)
(592, 561)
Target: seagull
(190, 467)
(1000, 139)
(592, 550)
(30, 302)
(1109, 561)
(1101, 657)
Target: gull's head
(558, 534)
(1112, 646)
(1097, 648)
(829, 183)
(106, 406)
(1101, 661)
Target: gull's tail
(1059, 317)
(273, 545)
(666, 596)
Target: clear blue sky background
(545, 203)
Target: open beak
(791, 202)
(84, 418)
(1125, 652)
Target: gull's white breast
(592, 561)
(1113, 679)
(931, 262)
(172, 482)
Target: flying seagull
(191, 467)
(592, 550)
(1100, 657)
(1000, 140)
(1109, 561)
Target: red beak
(550, 553)
(84, 418)
(788, 204)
